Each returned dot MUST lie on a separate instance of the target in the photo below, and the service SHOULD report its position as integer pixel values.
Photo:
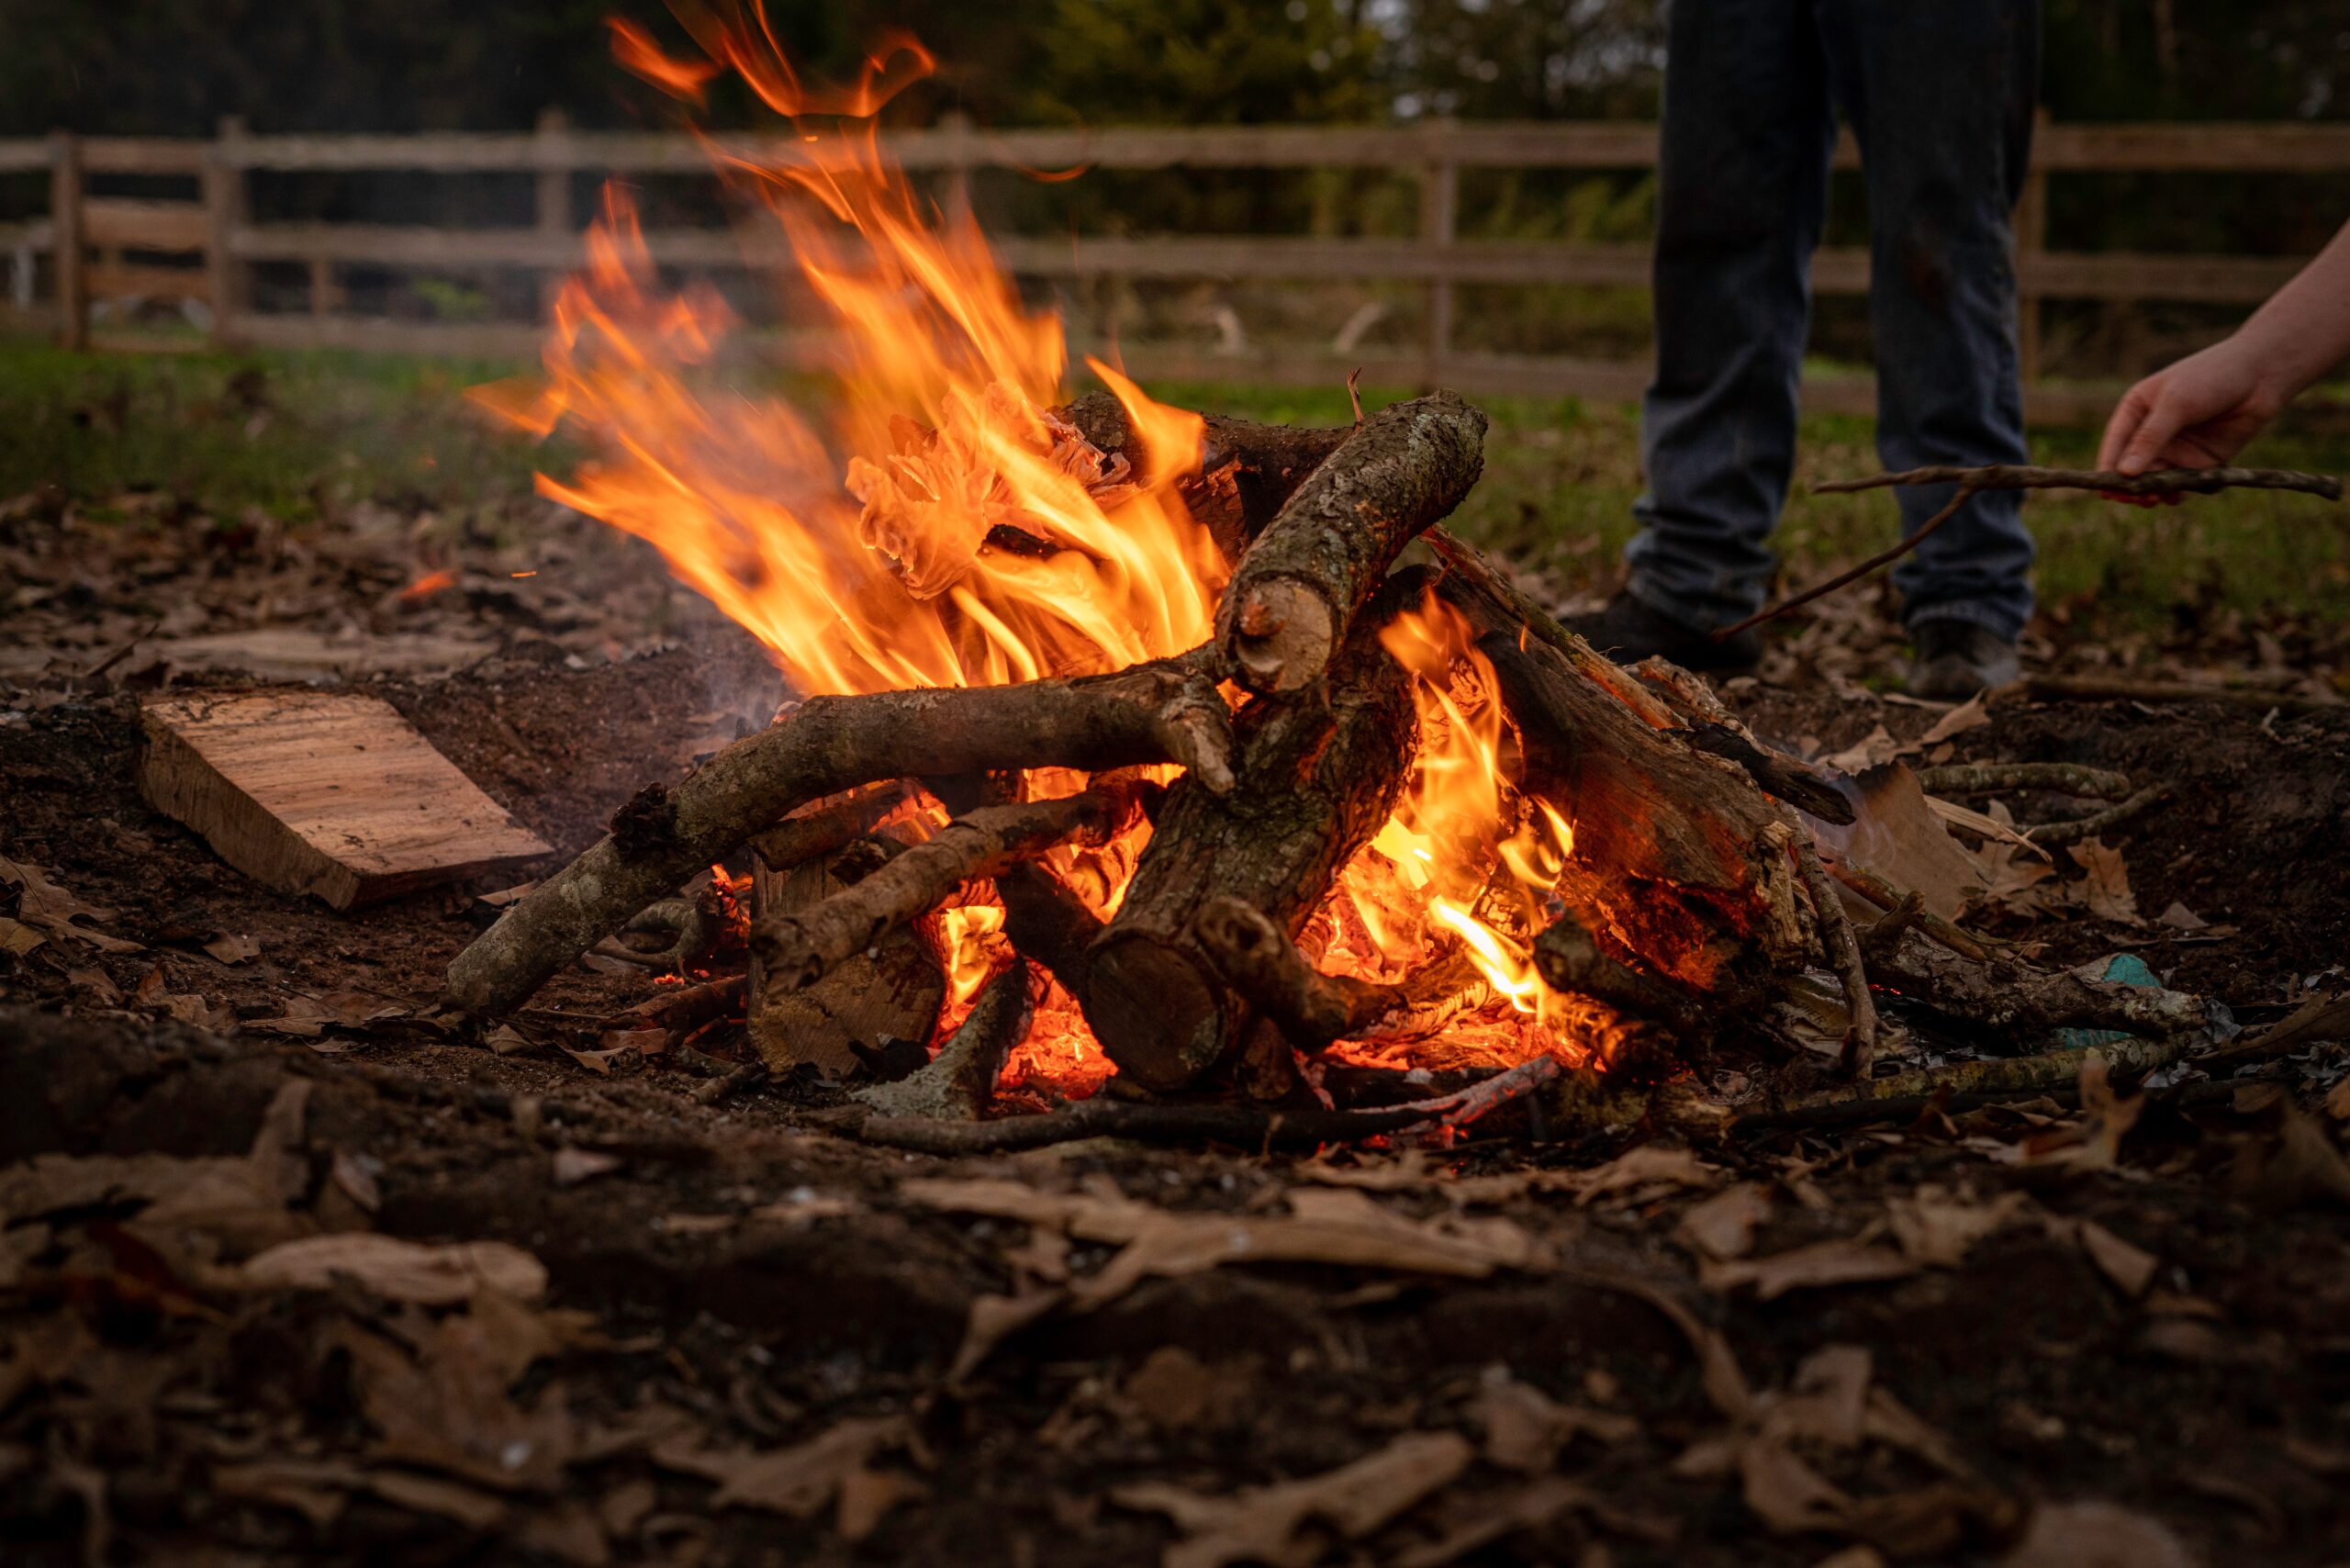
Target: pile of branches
(1695, 896)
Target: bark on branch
(1247, 471)
(1313, 1009)
(1154, 712)
(795, 949)
(2167, 482)
(1295, 592)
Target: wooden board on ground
(323, 792)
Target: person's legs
(1940, 95)
(1741, 191)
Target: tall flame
(942, 526)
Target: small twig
(2167, 482)
(2104, 688)
(2096, 822)
(1985, 1081)
(1245, 1126)
(1569, 960)
(1843, 949)
(679, 1008)
(712, 1092)
(1354, 393)
(1884, 937)
(1992, 777)
(2018, 476)
(1886, 896)
(828, 825)
(1882, 558)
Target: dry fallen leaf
(1723, 1225)
(1650, 1171)
(47, 907)
(1821, 1265)
(1525, 1427)
(2096, 1535)
(402, 1271)
(1872, 750)
(2107, 892)
(800, 1481)
(2178, 917)
(1334, 1226)
(1938, 1229)
(447, 1409)
(1971, 714)
(1264, 1524)
(233, 949)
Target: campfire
(1125, 744)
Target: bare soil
(739, 1279)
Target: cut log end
(1155, 1012)
(1280, 637)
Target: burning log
(796, 948)
(1154, 713)
(1570, 960)
(1313, 1009)
(1318, 773)
(1678, 857)
(1288, 607)
(1248, 471)
(888, 991)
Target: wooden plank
(69, 240)
(2231, 147)
(458, 339)
(323, 792)
(143, 155)
(129, 280)
(145, 225)
(2120, 274)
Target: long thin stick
(2167, 482)
(1843, 950)
(1882, 558)
(2023, 476)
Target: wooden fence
(112, 249)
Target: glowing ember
(942, 526)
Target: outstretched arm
(2201, 410)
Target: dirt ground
(631, 1326)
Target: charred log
(959, 1080)
(1313, 1009)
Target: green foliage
(1202, 62)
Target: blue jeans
(1940, 96)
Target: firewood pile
(1160, 846)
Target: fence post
(225, 215)
(2032, 244)
(955, 126)
(558, 223)
(1439, 214)
(65, 245)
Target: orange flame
(940, 525)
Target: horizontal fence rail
(202, 249)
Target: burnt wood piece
(1313, 1009)
(887, 991)
(1679, 859)
(960, 1079)
(795, 949)
(1047, 923)
(677, 1011)
(1154, 712)
(1247, 471)
(1569, 959)
(1318, 774)
(1295, 592)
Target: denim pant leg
(1940, 96)
(1741, 192)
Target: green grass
(305, 435)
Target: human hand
(2198, 413)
